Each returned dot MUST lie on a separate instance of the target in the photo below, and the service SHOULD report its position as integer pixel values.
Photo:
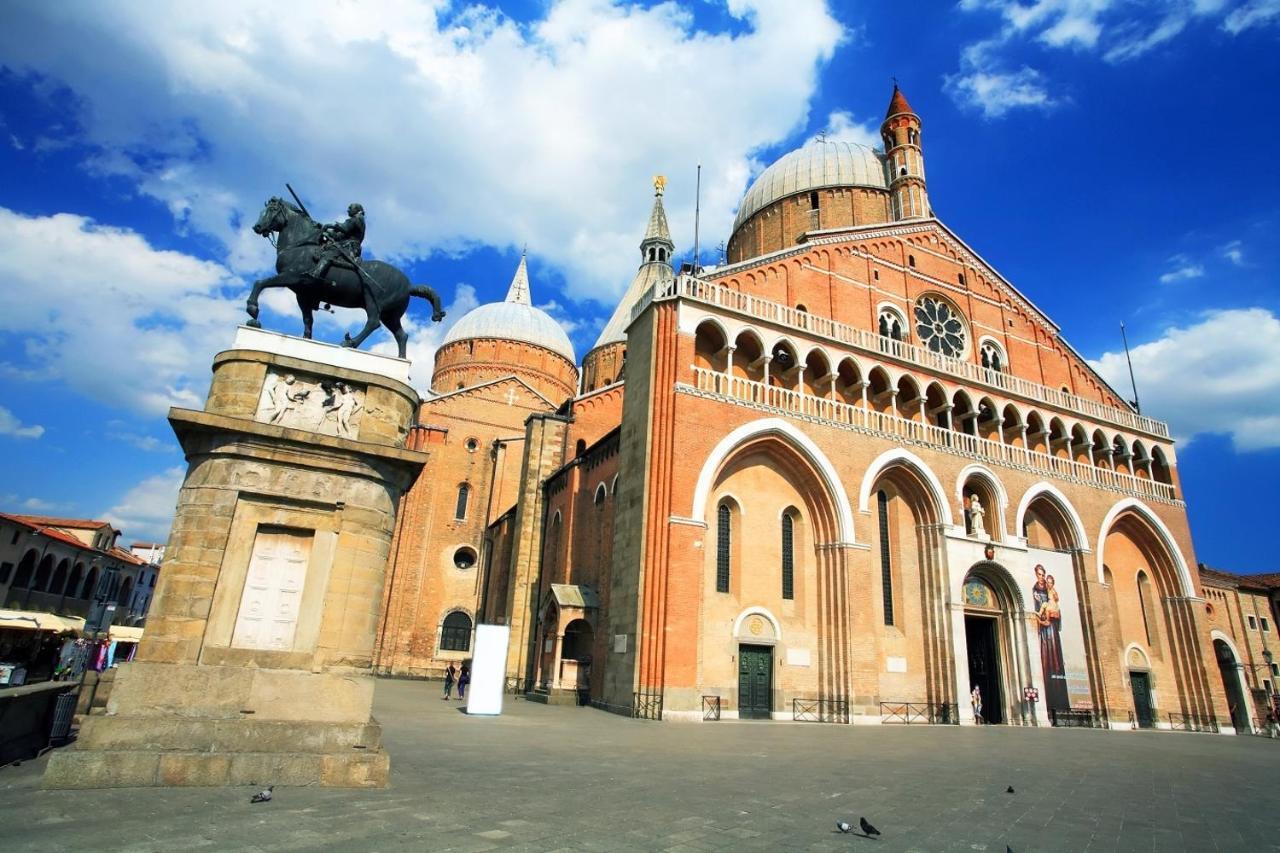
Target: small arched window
(600, 494)
(890, 324)
(464, 494)
(788, 556)
(886, 566)
(1146, 604)
(724, 530)
(455, 633)
(992, 357)
(813, 201)
(911, 260)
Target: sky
(1114, 159)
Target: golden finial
(659, 184)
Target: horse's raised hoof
(437, 317)
(348, 341)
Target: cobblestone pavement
(555, 778)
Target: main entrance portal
(981, 634)
(755, 682)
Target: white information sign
(488, 670)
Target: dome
(514, 319)
(818, 164)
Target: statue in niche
(977, 516)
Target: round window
(938, 326)
(472, 445)
(464, 558)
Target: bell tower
(905, 159)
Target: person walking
(450, 675)
(464, 678)
(975, 698)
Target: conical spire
(519, 290)
(657, 231)
(898, 103)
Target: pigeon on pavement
(1009, 790)
(263, 796)
(843, 827)
(867, 827)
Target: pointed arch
(796, 440)
(1050, 492)
(898, 457)
(1145, 514)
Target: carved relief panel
(319, 404)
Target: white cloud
(146, 510)
(1119, 30)
(453, 127)
(842, 125)
(1220, 375)
(11, 425)
(28, 505)
(1184, 270)
(1255, 14)
(116, 319)
(1234, 252)
(985, 84)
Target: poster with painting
(1052, 598)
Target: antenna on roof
(697, 215)
(1136, 405)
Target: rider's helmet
(354, 208)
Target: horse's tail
(425, 292)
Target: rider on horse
(339, 238)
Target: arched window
(992, 357)
(464, 494)
(788, 556)
(891, 324)
(600, 493)
(813, 201)
(1148, 612)
(911, 260)
(724, 530)
(90, 584)
(42, 574)
(455, 634)
(886, 565)
(26, 567)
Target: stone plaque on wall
(318, 404)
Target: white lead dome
(818, 164)
(514, 319)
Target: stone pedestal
(256, 666)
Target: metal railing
(1261, 727)
(710, 708)
(925, 713)
(646, 705)
(798, 404)
(698, 290)
(1078, 718)
(1192, 723)
(820, 710)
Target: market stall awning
(125, 633)
(31, 620)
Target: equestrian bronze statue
(321, 265)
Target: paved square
(554, 778)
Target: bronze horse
(383, 291)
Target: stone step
(112, 768)
(184, 734)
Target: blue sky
(1115, 159)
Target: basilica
(852, 474)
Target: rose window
(938, 326)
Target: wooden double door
(755, 682)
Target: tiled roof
(32, 522)
(898, 103)
(1267, 581)
(53, 521)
